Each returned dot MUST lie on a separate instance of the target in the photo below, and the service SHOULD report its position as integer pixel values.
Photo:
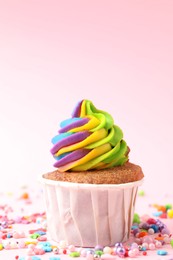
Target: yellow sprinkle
(170, 213)
(28, 242)
(52, 246)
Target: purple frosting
(76, 112)
(75, 124)
(69, 140)
(73, 156)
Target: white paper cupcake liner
(89, 214)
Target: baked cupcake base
(128, 172)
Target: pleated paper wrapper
(87, 215)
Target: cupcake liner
(89, 214)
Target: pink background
(119, 54)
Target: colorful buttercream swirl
(89, 140)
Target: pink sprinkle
(42, 238)
(39, 251)
(30, 251)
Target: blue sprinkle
(143, 248)
(155, 227)
(54, 258)
(162, 252)
(44, 243)
(32, 257)
(47, 248)
(158, 213)
(36, 258)
(134, 227)
(41, 233)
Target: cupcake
(90, 197)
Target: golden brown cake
(116, 175)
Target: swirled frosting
(89, 140)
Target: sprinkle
(35, 235)
(29, 258)
(42, 238)
(158, 244)
(151, 231)
(39, 251)
(151, 246)
(136, 218)
(64, 251)
(32, 231)
(44, 244)
(54, 258)
(144, 246)
(17, 235)
(30, 252)
(9, 235)
(120, 251)
(107, 250)
(38, 220)
(131, 253)
(99, 252)
(155, 227)
(161, 208)
(74, 254)
(56, 250)
(36, 258)
(141, 193)
(31, 241)
(47, 248)
(40, 232)
(162, 252)
(25, 196)
(163, 215)
(151, 221)
(168, 206)
(142, 234)
(171, 242)
(157, 213)
(170, 213)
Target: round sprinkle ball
(170, 213)
(141, 193)
(107, 250)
